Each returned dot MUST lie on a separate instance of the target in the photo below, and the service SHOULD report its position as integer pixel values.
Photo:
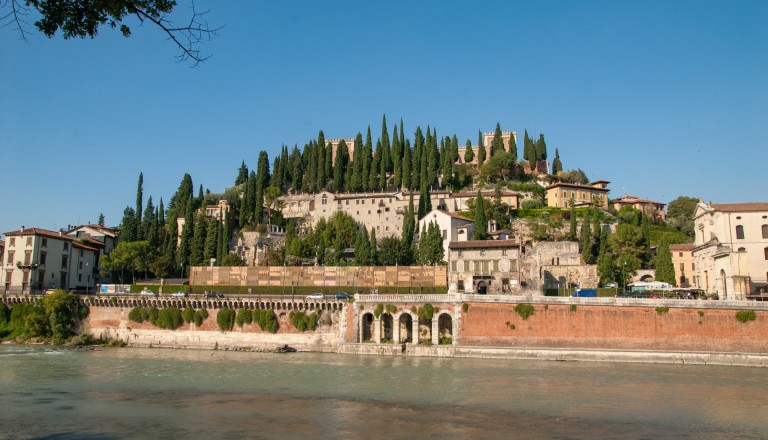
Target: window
(503, 252)
(740, 232)
(445, 234)
(346, 203)
(513, 265)
(29, 241)
(66, 247)
(10, 258)
(27, 257)
(79, 277)
(8, 276)
(765, 231)
(460, 285)
(42, 258)
(765, 251)
(453, 266)
(63, 261)
(81, 265)
(682, 267)
(505, 284)
(45, 242)
(693, 266)
(680, 254)
(495, 265)
(324, 201)
(741, 249)
(12, 241)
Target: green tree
(665, 270)
(362, 248)
(101, 220)
(513, 147)
(374, 247)
(139, 233)
(498, 167)
(497, 143)
(557, 166)
(242, 174)
(541, 148)
(407, 166)
(341, 163)
(572, 230)
(480, 149)
(128, 225)
(481, 222)
(680, 214)
(469, 154)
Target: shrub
(701, 313)
(169, 318)
(204, 313)
(225, 319)
(266, 319)
(573, 307)
(200, 316)
(446, 340)
(524, 310)
(188, 315)
(465, 307)
(745, 315)
(83, 311)
(136, 315)
(302, 321)
(531, 204)
(426, 312)
(377, 311)
(662, 310)
(152, 314)
(391, 309)
(244, 316)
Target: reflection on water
(157, 393)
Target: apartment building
(682, 259)
(484, 266)
(36, 259)
(654, 210)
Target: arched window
(740, 232)
(765, 251)
(765, 231)
(742, 249)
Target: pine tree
(211, 249)
(148, 218)
(481, 221)
(197, 249)
(480, 149)
(242, 174)
(128, 225)
(101, 219)
(469, 154)
(139, 233)
(557, 166)
(297, 168)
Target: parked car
(342, 296)
(210, 294)
(315, 296)
(147, 292)
(179, 294)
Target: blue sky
(661, 98)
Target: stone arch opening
(366, 327)
(445, 329)
(387, 329)
(482, 287)
(724, 281)
(425, 330)
(646, 278)
(405, 322)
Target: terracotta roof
(483, 244)
(681, 247)
(486, 193)
(578, 185)
(736, 207)
(98, 227)
(82, 246)
(92, 242)
(458, 217)
(38, 231)
(626, 199)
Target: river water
(130, 393)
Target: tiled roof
(38, 231)
(736, 207)
(681, 247)
(626, 199)
(486, 193)
(483, 244)
(577, 185)
(458, 217)
(82, 246)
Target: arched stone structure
(366, 327)
(444, 326)
(404, 329)
(386, 327)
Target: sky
(661, 98)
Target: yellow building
(559, 194)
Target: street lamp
(88, 284)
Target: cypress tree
(310, 157)
(362, 247)
(586, 241)
(383, 170)
(277, 177)
(386, 153)
(481, 221)
(187, 234)
(153, 234)
(211, 248)
(100, 222)
(557, 166)
(342, 157)
(497, 144)
(572, 230)
(512, 147)
(541, 148)
(297, 168)
(373, 177)
(197, 251)
(328, 165)
(148, 219)
(397, 159)
(242, 174)
(416, 158)
(409, 224)
(367, 159)
(665, 269)
(139, 233)
(480, 149)
(374, 258)
(320, 157)
(356, 185)
(406, 178)
(469, 154)
(433, 159)
(528, 152)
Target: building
(382, 211)
(559, 194)
(730, 251)
(682, 259)
(557, 265)
(36, 259)
(453, 227)
(484, 266)
(221, 211)
(100, 237)
(654, 210)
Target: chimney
(22, 228)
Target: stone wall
(614, 327)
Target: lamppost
(88, 284)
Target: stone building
(484, 266)
(453, 227)
(654, 210)
(557, 264)
(730, 251)
(252, 246)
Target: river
(130, 393)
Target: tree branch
(14, 16)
